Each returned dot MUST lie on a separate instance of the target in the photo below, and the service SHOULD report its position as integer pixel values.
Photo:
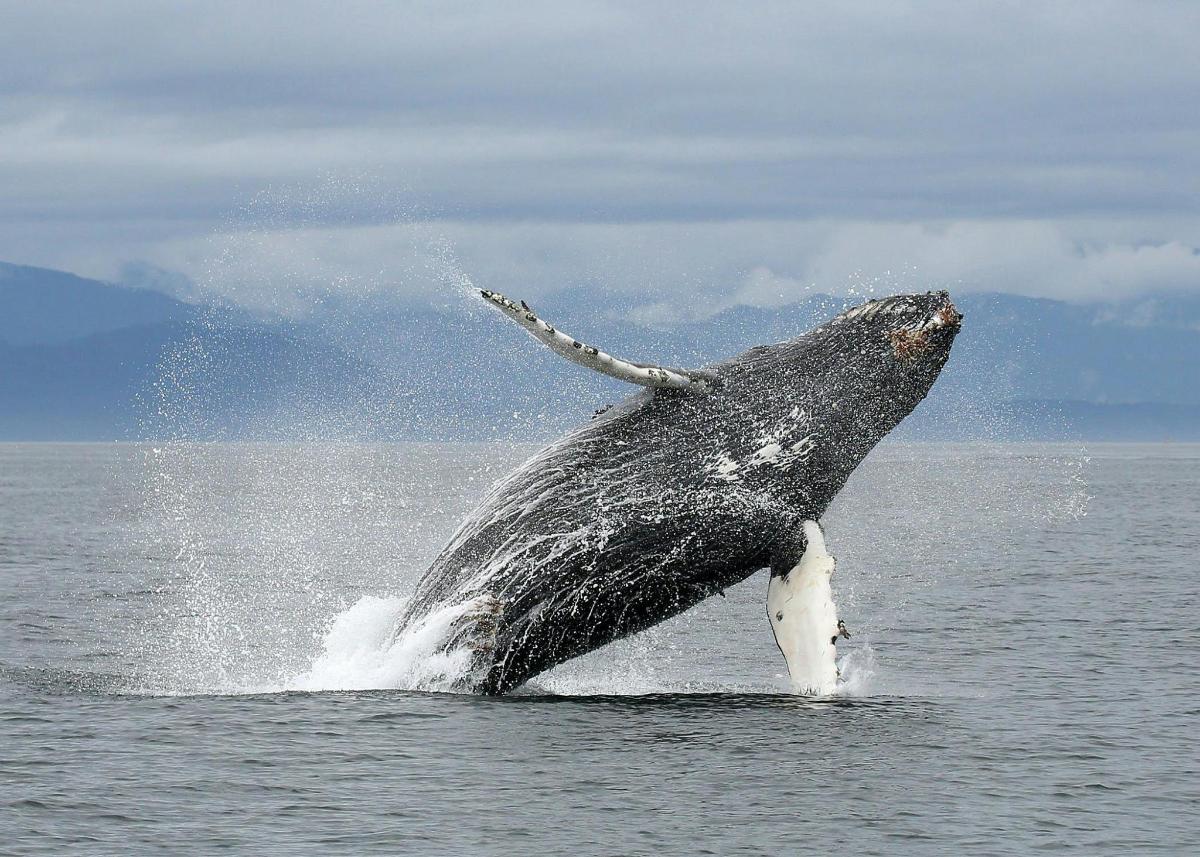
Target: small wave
(52, 680)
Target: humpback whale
(685, 488)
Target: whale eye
(779, 616)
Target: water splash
(359, 653)
(858, 672)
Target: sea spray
(359, 653)
(858, 670)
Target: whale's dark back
(672, 496)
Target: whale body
(682, 490)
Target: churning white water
(360, 652)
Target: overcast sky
(743, 152)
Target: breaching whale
(680, 491)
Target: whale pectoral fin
(644, 374)
(801, 611)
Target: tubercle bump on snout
(911, 342)
(947, 316)
(908, 344)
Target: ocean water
(192, 660)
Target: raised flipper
(802, 614)
(593, 358)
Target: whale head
(869, 367)
(893, 348)
(816, 405)
(886, 351)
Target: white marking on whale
(778, 450)
(642, 374)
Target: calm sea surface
(190, 662)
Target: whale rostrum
(682, 490)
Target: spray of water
(359, 651)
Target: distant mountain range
(86, 360)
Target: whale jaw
(804, 619)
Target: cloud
(1034, 258)
(764, 288)
(689, 137)
(678, 271)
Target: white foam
(857, 668)
(358, 652)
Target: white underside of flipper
(804, 618)
(591, 357)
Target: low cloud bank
(667, 272)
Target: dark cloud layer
(130, 129)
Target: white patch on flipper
(804, 619)
(589, 356)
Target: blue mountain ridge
(86, 360)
